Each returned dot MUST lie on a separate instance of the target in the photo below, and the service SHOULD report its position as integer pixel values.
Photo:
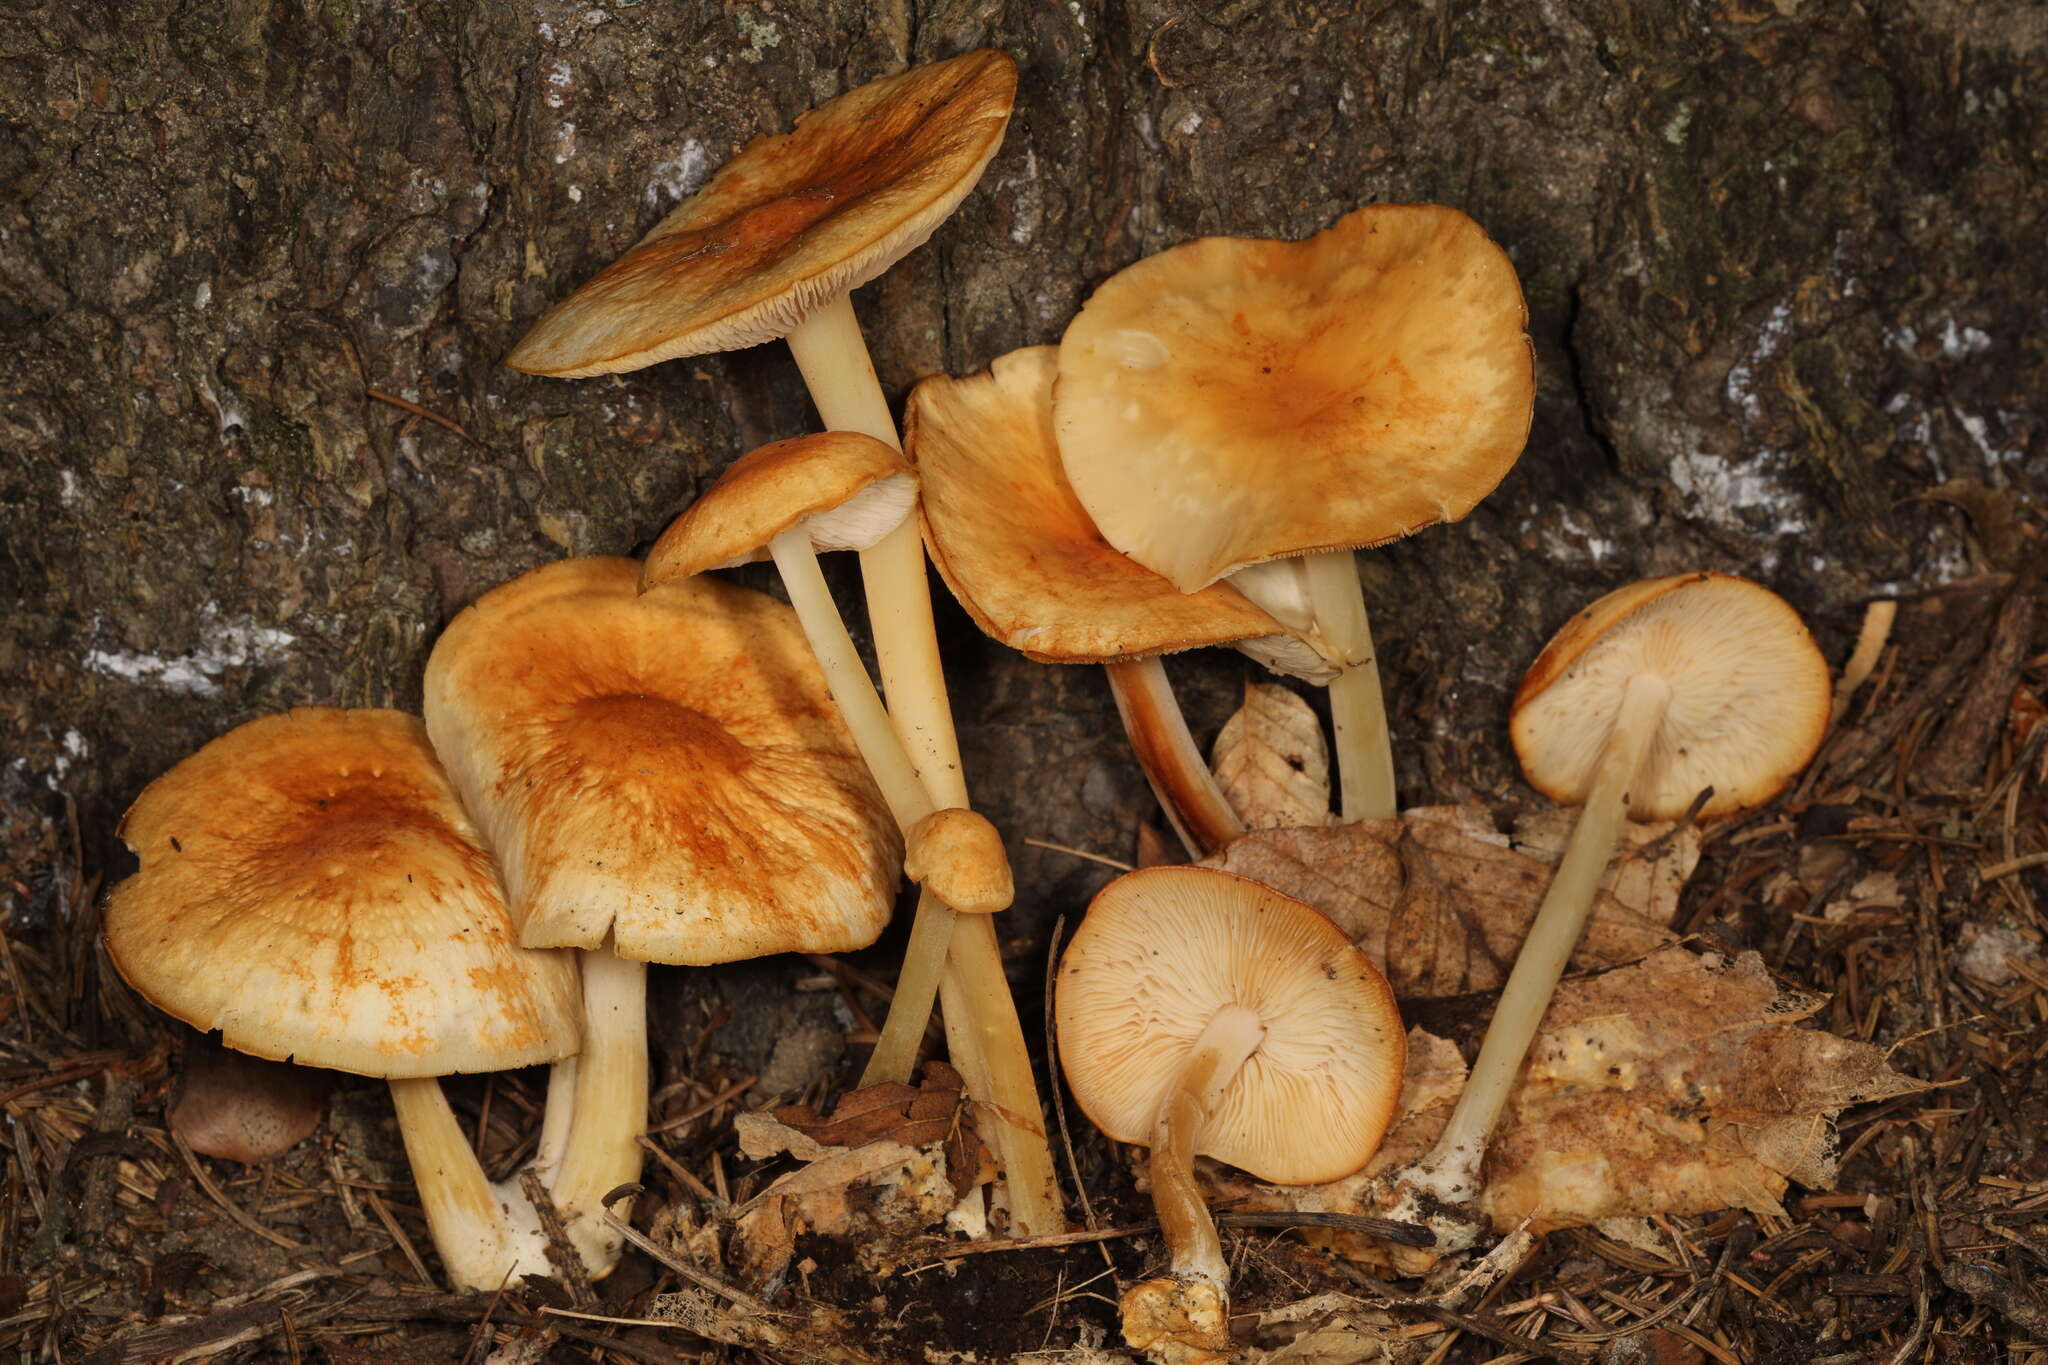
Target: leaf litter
(1790, 1107)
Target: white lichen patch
(1741, 387)
(677, 178)
(222, 645)
(1750, 495)
(556, 84)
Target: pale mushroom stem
(1196, 807)
(983, 1034)
(847, 678)
(465, 1215)
(1365, 753)
(1451, 1170)
(602, 1150)
(555, 1120)
(924, 961)
(1231, 1036)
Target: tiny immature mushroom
(1233, 401)
(958, 856)
(836, 490)
(243, 1108)
(311, 887)
(665, 780)
(1645, 700)
(773, 246)
(1204, 1014)
(1021, 555)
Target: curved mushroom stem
(1451, 1171)
(483, 1233)
(982, 1030)
(555, 1120)
(602, 1149)
(1365, 754)
(918, 985)
(1231, 1036)
(847, 679)
(1196, 807)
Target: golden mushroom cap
(792, 222)
(1234, 400)
(1161, 951)
(848, 489)
(1750, 695)
(311, 887)
(666, 768)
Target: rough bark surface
(1783, 260)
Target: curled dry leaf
(1272, 762)
(1676, 1085)
(1441, 900)
(889, 1158)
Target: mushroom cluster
(623, 763)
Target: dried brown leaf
(1676, 1085)
(1441, 899)
(1272, 762)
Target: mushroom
(244, 1108)
(772, 247)
(1204, 1014)
(1232, 401)
(311, 887)
(1021, 555)
(665, 780)
(839, 490)
(1661, 693)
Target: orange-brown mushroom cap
(1233, 400)
(851, 489)
(791, 222)
(1015, 545)
(311, 887)
(1161, 951)
(1750, 695)
(957, 855)
(665, 767)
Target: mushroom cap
(957, 855)
(1015, 545)
(1161, 950)
(665, 767)
(792, 222)
(850, 488)
(1750, 695)
(311, 887)
(1233, 400)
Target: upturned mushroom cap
(1163, 949)
(1015, 545)
(1750, 694)
(958, 856)
(849, 489)
(791, 222)
(1235, 400)
(311, 887)
(664, 767)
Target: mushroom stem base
(602, 1150)
(1195, 806)
(1451, 1171)
(485, 1234)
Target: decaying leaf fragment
(1678, 1084)
(889, 1158)
(1441, 899)
(1272, 761)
